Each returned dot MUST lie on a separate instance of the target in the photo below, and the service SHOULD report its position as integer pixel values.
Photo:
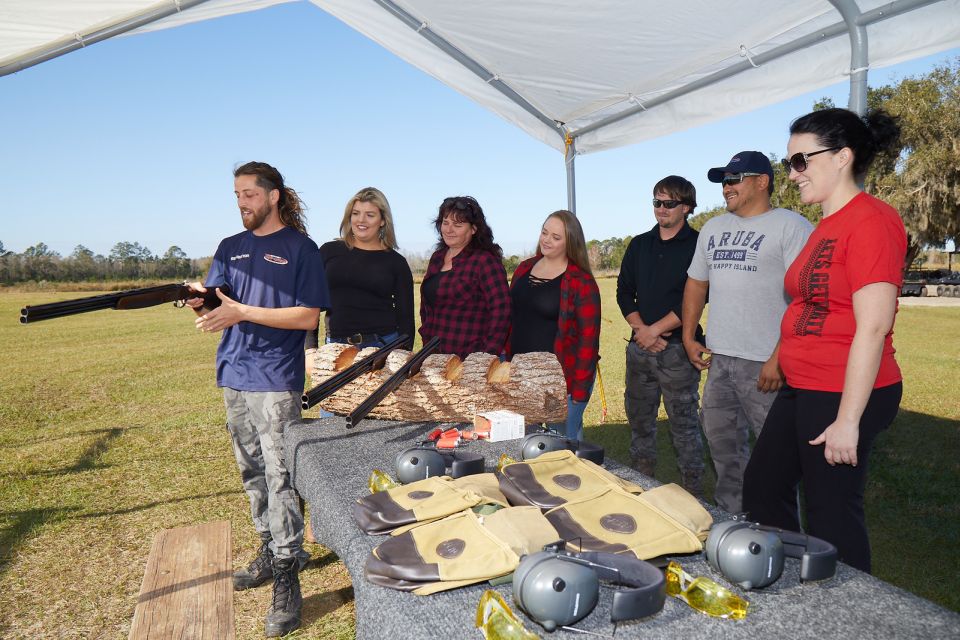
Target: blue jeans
(378, 342)
(573, 427)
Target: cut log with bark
(448, 389)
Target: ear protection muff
(542, 442)
(557, 588)
(425, 462)
(751, 554)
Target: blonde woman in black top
(371, 287)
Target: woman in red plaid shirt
(556, 308)
(464, 298)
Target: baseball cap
(743, 162)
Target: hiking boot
(259, 571)
(284, 614)
(646, 466)
(692, 482)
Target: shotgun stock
(408, 370)
(130, 299)
(333, 384)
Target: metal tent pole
(859, 54)
(490, 78)
(569, 159)
(79, 40)
(877, 14)
(478, 69)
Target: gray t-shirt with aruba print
(744, 261)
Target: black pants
(782, 458)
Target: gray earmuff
(557, 588)
(554, 592)
(751, 555)
(536, 444)
(419, 463)
(541, 442)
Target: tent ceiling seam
(79, 40)
(863, 20)
(422, 28)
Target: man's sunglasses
(667, 204)
(737, 178)
(798, 161)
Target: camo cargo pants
(668, 374)
(731, 402)
(256, 421)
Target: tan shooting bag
(459, 550)
(425, 501)
(556, 478)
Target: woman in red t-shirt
(843, 385)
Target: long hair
(290, 206)
(467, 209)
(376, 198)
(865, 136)
(576, 246)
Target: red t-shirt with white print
(862, 243)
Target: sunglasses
(667, 204)
(380, 481)
(798, 161)
(704, 595)
(497, 621)
(737, 178)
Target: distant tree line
(126, 261)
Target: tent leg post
(859, 55)
(569, 160)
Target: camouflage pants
(668, 374)
(731, 403)
(256, 421)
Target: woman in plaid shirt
(464, 298)
(556, 308)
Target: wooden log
(332, 357)
(448, 390)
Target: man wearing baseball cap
(741, 258)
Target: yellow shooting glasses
(497, 621)
(380, 481)
(503, 461)
(705, 595)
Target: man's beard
(255, 219)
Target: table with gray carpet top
(330, 466)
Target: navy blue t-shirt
(283, 269)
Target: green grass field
(111, 429)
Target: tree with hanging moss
(922, 179)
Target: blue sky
(134, 139)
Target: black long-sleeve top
(653, 274)
(370, 292)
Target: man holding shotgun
(275, 274)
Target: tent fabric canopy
(602, 74)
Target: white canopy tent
(579, 76)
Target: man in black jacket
(650, 296)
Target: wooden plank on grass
(187, 590)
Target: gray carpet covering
(331, 464)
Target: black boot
(259, 571)
(284, 614)
(646, 466)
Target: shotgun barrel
(334, 383)
(129, 299)
(408, 370)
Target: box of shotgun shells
(499, 425)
